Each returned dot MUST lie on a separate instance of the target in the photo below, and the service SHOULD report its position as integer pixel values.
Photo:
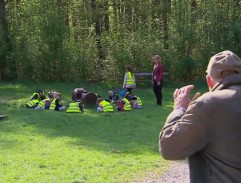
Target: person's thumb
(198, 94)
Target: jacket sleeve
(57, 103)
(124, 82)
(184, 133)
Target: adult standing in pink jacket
(157, 78)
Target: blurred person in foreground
(207, 130)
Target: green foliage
(94, 40)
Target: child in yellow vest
(104, 105)
(36, 97)
(129, 82)
(124, 105)
(55, 103)
(135, 101)
(43, 104)
(75, 106)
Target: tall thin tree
(7, 64)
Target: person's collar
(231, 80)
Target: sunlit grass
(49, 146)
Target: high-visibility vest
(107, 107)
(32, 103)
(52, 105)
(130, 80)
(43, 102)
(139, 101)
(127, 106)
(73, 107)
(35, 93)
(127, 93)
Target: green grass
(49, 146)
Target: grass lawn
(90, 147)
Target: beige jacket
(208, 134)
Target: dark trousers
(129, 89)
(158, 92)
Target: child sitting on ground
(124, 105)
(37, 96)
(104, 105)
(113, 97)
(45, 103)
(55, 103)
(135, 101)
(75, 106)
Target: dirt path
(177, 173)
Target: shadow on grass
(119, 132)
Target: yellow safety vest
(127, 106)
(139, 102)
(107, 107)
(43, 102)
(73, 107)
(127, 93)
(35, 94)
(32, 103)
(130, 80)
(52, 105)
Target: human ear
(210, 82)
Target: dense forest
(72, 40)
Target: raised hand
(182, 96)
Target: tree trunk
(97, 20)
(156, 12)
(166, 4)
(136, 16)
(106, 16)
(194, 5)
(5, 58)
(115, 15)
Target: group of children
(38, 100)
(125, 102)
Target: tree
(7, 63)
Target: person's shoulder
(207, 100)
(161, 65)
(214, 95)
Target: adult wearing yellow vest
(129, 82)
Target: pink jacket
(157, 74)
